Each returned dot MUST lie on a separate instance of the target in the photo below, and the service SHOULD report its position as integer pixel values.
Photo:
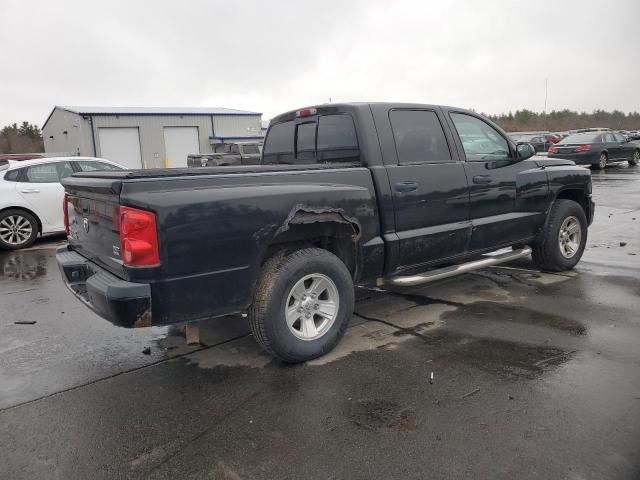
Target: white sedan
(31, 196)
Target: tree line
(23, 138)
(563, 120)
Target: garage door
(121, 145)
(178, 143)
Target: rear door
(613, 146)
(507, 198)
(39, 185)
(429, 188)
(626, 149)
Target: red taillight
(553, 150)
(306, 112)
(65, 212)
(583, 148)
(138, 238)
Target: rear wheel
(302, 305)
(602, 161)
(635, 159)
(565, 237)
(18, 229)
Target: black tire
(548, 253)
(278, 277)
(7, 217)
(635, 158)
(602, 162)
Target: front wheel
(302, 304)
(635, 159)
(564, 239)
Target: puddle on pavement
(516, 314)
(502, 357)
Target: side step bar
(447, 272)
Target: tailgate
(94, 213)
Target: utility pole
(544, 113)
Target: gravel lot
(534, 376)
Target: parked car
(540, 142)
(346, 194)
(241, 153)
(596, 149)
(5, 157)
(31, 196)
(633, 135)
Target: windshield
(581, 138)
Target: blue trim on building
(235, 138)
(93, 136)
(168, 114)
(213, 129)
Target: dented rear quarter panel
(214, 231)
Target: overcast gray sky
(273, 56)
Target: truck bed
(231, 213)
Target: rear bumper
(586, 158)
(123, 303)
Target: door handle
(30, 190)
(482, 179)
(404, 187)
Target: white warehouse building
(146, 137)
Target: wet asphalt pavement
(534, 376)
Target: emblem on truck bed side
(85, 224)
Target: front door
(429, 188)
(507, 198)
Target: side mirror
(524, 150)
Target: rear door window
(278, 147)
(45, 173)
(419, 137)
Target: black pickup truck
(361, 193)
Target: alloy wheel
(15, 230)
(312, 306)
(569, 237)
